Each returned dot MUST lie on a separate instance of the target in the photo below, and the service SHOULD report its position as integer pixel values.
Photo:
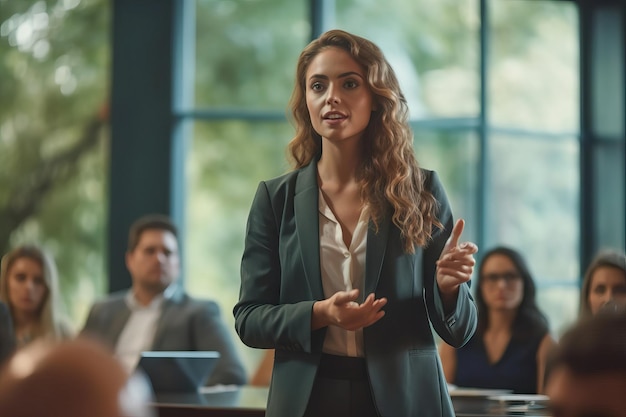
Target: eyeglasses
(508, 277)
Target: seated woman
(604, 285)
(512, 341)
(28, 285)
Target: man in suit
(7, 337)
(156, 314)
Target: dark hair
(149, 222)
(606, 258)
(529, 321)
(595, 344)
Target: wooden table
(250, 401)
(244, 401)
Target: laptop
(182, 371)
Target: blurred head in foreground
(588, 369)
(72, 379)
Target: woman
(604, 285)
(28, 284)
(347, 257)
(511, 344)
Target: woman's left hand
(456, 262)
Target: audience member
(156, 313)
(75, 378)
(604, 284)
(7, 337)
(29, 285)
(588, 369)
(511, 343)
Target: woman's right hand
(343, 311)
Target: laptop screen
(181, 371)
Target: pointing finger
(453, 240)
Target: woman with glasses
(512, 341)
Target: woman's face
(26, 285)
(337, 96)
(607, 287)
(501, 285)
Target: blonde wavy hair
(390, 174)
(50, 325)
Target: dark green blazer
(281, 279)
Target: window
(53, 138)
(507, 149)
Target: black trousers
(341, 389)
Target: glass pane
(432, 46)
(607, 72)
(435, 150)
(609, 195)
(533, 65)
(560, 304)
(226, 162)
(53, 119)
(246, 52)
(533, 204)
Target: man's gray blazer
(185, 324)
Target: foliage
(53, 120)
(246, 52)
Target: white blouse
(343, 269)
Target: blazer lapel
(172, 299)
(376, 246)
(162, 324)
(119, 317)
(307, 224)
